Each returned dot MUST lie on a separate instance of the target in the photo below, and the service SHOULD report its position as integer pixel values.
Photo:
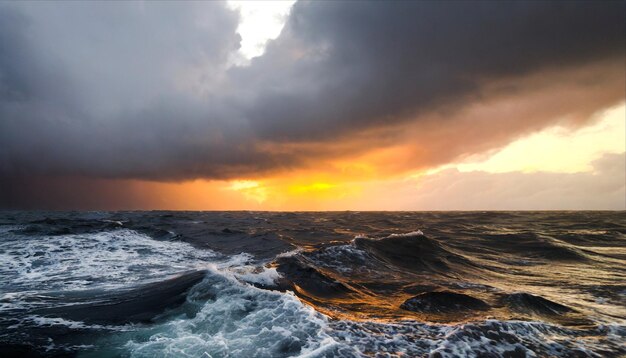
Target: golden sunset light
(348, 183)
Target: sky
(305, 105)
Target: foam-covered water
(223, 317)
(312, 284)
(79, 261)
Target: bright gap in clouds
(558, 149)
(260, 22)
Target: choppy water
(349, 284)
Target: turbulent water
(343, 284)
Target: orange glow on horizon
(380, 178)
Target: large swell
(248, 284)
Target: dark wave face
(343, 284)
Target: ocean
(312, 284)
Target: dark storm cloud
(346, 64)
(145, 90)
(106, 89)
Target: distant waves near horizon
(312, 284)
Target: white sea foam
(489, 338)
(106, 259)
(56, 321)
(238, 320)
(415, 233)
(290, 253)
(408, 234)
(265, 276)
(31, 266)
(242, 267)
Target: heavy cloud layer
(147, 91)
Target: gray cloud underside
(144, 90)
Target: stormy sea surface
(313, 284)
